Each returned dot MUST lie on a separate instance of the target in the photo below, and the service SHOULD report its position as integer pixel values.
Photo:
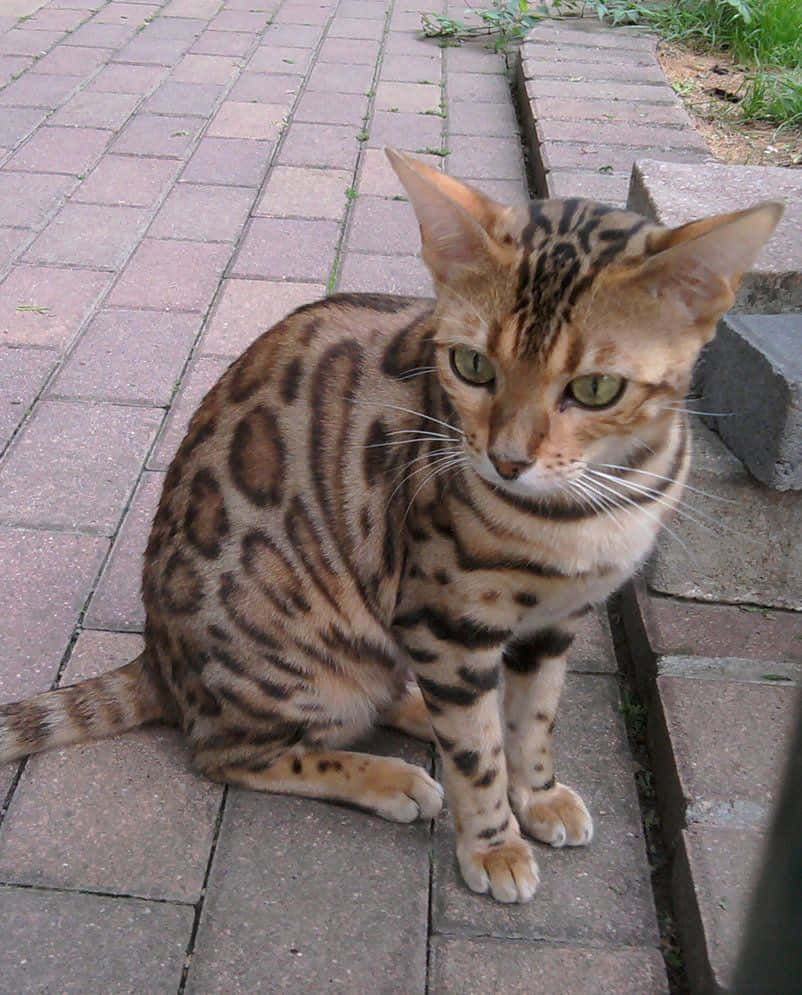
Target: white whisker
(660, 476)
(408, 411)
(677, 505)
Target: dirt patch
(711, 86)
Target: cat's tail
(100, 706)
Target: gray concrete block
(601, 894)
(672, 194)
(752, 373)
(308, 897)
(77, 944)
(458, 966)
(718, 749)
(712, 878)
(744, 548)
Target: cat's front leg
(534, 675)
(461, 693)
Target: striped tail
(101, 706)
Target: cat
(382, 487)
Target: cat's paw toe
(557, 816)
(414, 795)
(508, 872)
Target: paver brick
(747, 552)
(126, 13)
(97, 110)
(407, 42)
(94, 35)
(344, 50)
(361, 9)
(16, 123)
(331, 145)
(629, 133)
(130, 356)
(127, 79)
(718, 749)
(622, 94)
(246, 308)
(583, 33)
(27, 199)
(171, 275)
(481, 119)
(609, 188)
(117, 601)
(411, 68)
(192, 8)
(240, 20)
(59, 941)
(304, 13)
(379, 225)
(584, 51)
(376, 273)
(287, 249)
(61, 150)
(74, 464)
(331, 108)
(140, 781)
(49, 19)
(619, 71)
(18, 41)
(152, 51)
(174, 97)
(202, 376)
(165, 26)
(331, 77)
(69, 60)
(712, 879)
(356, 27)
(618, 158)
(22, 375)
(236, 161)
(485, 158)
(475, 60)
(45, 306)
(408, 132)
(303, 36)
(90, 235)
(152, 134)
(204, 213)
(416, 98)
(238, 119)
(117, 179)
(504, 966)
(659, 627)
(38, 91)
(12, 66)
(206, 69)
(478, 88)
(598, 894)
(279, 59)
(47, 578)
(570, 108)
(350, 927)
(236, 43)
(12, 242)
(305, 193)
(268, 88)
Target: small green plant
(431, 150)
(33, 308)
(362, 136)
(507, 20)
(350, 194)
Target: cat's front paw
(557, 815)
(508, 871)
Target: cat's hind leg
(409, 714)
(387, 786)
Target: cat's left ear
(701, 263)
(454, 218)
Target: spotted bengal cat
(385, 486)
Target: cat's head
(567, 330)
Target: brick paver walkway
(175, 177)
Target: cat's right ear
(451, 216)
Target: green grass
(763, 35)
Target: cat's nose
(509, 469)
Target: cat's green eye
(472, 366)
(596, 390)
